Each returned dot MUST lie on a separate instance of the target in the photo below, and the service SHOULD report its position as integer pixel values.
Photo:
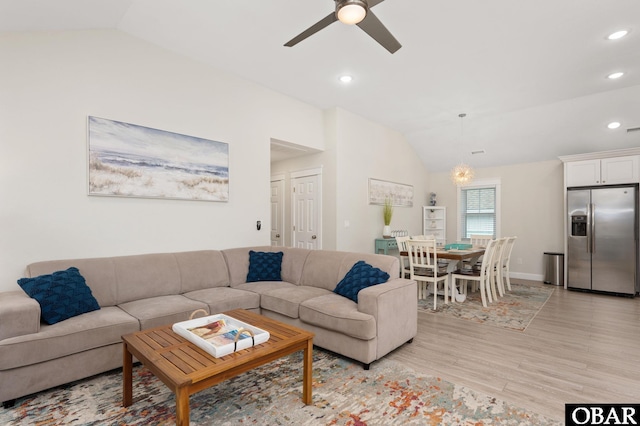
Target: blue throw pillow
(361, 275)
(61, 295)
(264, 266)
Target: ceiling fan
(352, 12)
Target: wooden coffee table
(187, 369)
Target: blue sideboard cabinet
(385, 244)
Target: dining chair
(423, 267)
(480, 240)
(482, 275)
(404, 260)
(505, 260)
(495, 282)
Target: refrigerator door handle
(588, 239)
(592, 228)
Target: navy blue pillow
(61, 295)
(264, 266)
(361, 275)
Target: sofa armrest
(394, 305)
(19, 314)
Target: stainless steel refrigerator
(603, 239)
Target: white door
(307, 209)
(277, 211)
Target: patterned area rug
(515, 310)
(343, 394)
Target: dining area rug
(343, 394)
(515, 310)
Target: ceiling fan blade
(376, 29)
(372, 3)
(325, 22)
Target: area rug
(514, 311)
(343, 394)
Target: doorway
(306, 187)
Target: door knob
(313, 237)
(277, 235)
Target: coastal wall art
(127, 160)
(399, 194)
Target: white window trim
(480, 183)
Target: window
(479, 209)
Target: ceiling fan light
(351, 12)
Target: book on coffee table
(220, 334)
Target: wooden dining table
(455, 258)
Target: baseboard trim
(525, 276)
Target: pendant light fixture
(462, 174)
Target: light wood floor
(580, 348)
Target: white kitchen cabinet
(604, 171)
(434, 219)
(620, 170)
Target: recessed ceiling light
(346, 78)
(613, 125)
(615, 75)
(618, 34)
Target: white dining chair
(482, 275)
(505, 260)
(480, 240)
(404, 260)
(423, 267)
(423, 237)
(495, 284)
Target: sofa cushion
(322, 269)
(162, 310)
(201, 269)
(340, 314)
(293, 261)
(78, 334)
(286, 301)
(361, 275)
(61, 295)
(264, 266)
(220, 299)
(146, 275)
(262, 287)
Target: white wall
(51, 82)
(531, 208)
(368, 150)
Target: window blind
(478, 211)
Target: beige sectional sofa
(143, 291)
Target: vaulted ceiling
(531, 76)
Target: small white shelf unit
(434, 221)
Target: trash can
(554, 268)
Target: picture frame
(129, 160)
(400, 194)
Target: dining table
(455, 257)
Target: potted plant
(387, 213)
